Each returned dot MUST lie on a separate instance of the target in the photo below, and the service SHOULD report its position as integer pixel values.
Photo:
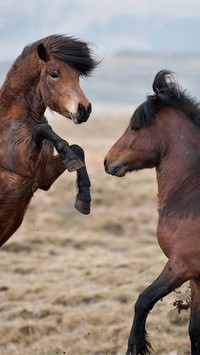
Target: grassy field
(68, 281)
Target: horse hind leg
(83, 198)
(194, 325)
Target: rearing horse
(46, 74)
(164, 132)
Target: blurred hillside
(123, 79)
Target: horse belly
(180, 238)
(166, 239)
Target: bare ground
(68, 281)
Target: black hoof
(82, 206)
(74, 165)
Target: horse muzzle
(115, 169)
(82, 114)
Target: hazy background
(69, 282)
(135, 38)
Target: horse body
(164, 133)
(46, 74)
(20, 174)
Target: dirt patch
(181, 306)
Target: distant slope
(123, 79)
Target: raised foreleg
(83, 197)
(172, 276)
(70, 157)
(55, 167)
(43, 132)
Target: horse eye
(135, 128)
(54, 74)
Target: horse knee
(78, 151)
(142, 304)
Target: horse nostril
(106, 166)
(89, 109)
(81, 110)
(84, 112)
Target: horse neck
(179, 168)
(18, 94)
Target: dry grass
(69, 282)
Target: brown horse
(46, 74)
(164, 132)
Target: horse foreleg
(194, 326)
(171, 277)
(55, 167)
(83, 197)
(44, 131)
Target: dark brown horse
(46, 74)
(164, 132)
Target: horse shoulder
(15, 154)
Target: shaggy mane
(71, 50)
(168, 93)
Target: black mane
(71, 50)
(168, 93)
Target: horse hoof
(73, 165)
(82, 206)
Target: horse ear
(42, 52)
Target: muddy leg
(83, 197)
(170, 278)
(44, 131)
(194, 326)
